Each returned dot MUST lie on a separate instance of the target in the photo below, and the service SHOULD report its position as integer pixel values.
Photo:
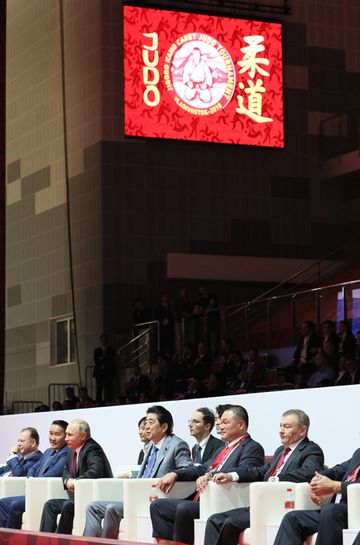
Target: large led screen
(200, 77)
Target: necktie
(197, 457)
(220, 459)
(73, 463)
(352, 476)
(280, 462)
(150, 463)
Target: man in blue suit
(50, 465)
(24, 455)
(173, 519)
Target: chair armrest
(353, 500)
(137, 497)
(302, 497)
(12, 486)
(39, 490)
(267, 501)
(83, 494)
(223, 497)
(108, 490)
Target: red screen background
(161, 60)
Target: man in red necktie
(86, 460)
(173, 520)
(331, 519)
(296, 460)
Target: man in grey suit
(166, 452)
(173, 519)
(296, 461)
(200, 425)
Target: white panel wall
(332, 413)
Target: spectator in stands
(324, 375)
(142, 313)
(86, 460)
(303, 362)
(138, 384)
(42, 408)
(200, 425)
(164, 315)
(24, 455)
(56, 406)
(164, 382)
(331, 353)
(104, 372)
(231, 371)
(85, 400)
(71, 399)
(204, 297)
(226, 349)
(51, 464)
(212, 326)
(296, 460)
(347, 343)
(357, 346)
(182, 308)
(329, 335)
(196, 330)
(194, 389)
(352, 367)
(214, 386)
(201, 366)
(343, 378)
(173, 519)
(253, 372)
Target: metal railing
(19, 407)
(56, 391)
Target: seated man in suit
(330, 520)
(51, 464)
(173, 520)
(24, 455)
(85, 460)
(296, 461)
(200, 425)
(165, 453)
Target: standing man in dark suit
(51, 464)
(86, 460)
(24, 455)
(165, 453)
(172, 519)
(200, 425)
(104, 371)
(296, 461)
(331, 519)
(163, 314)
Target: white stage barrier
(331, 411)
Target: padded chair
(138, 493)
(38, 490)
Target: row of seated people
(236, 457)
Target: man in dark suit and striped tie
(296, 460)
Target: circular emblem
(199, 73)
